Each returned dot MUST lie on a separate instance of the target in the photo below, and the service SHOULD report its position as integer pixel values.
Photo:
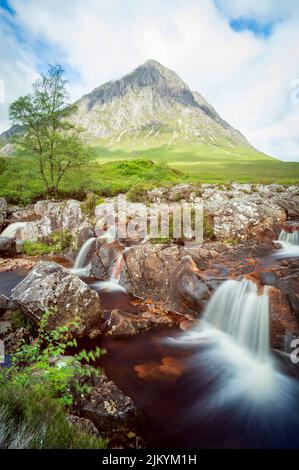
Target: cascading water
(289, 241)
(12, 230)
(238, 309)
(233, 358)
(289, 236)
(83, 258)
(116, 270)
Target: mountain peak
(153, 99)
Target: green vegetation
(49, 137)
(30, 417)
(34, 386)
(115, 172)
(56, 243)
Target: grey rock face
(49, 286)
(153, 100)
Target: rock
(23, 215)
(123, 324)
(192, 291)
(244, 218)
(49, 286)
(15, 339)
(104, 258)
(7, 246)
(3, 212)
(283, 322)
(83, 424)
(55, 217)
(112, 412)
(4, 303)
(160, 273)
(7, 149)
(5, 328)
(12, 264)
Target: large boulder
(170, 274)
(245, 218)
(109, 409)
(50, 287)
(56, 217)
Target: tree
(49, 134)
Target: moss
(19, 320)
(208, 227)
(36, 248)
(60, 240)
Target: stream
(198, 389)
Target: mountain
(152, 103)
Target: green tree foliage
(49, 133)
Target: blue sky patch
(250, 24)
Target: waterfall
(238, 309)
(116, 270)
(289, 241)
(83, 257)
(109, 235)
(291, 237)
(12, 230)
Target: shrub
(137, 193)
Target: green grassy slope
(118, 169)
(209, 163)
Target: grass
(119, 169)
(31, 418)
(211, 164)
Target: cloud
(17, 69)
(246, 76)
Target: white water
(239, 310)
(232, 356)
(12, 229)
(110, 235)
(82, 261)
(289, 241)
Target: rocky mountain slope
(152, 102)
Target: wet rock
(49, 286)
(104, 258)
(123, 324)
(192, 291)
(7, 246)
(112, 412)
(283, 321)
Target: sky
(241, 55)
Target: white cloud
(17, 70)
(246, 78)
